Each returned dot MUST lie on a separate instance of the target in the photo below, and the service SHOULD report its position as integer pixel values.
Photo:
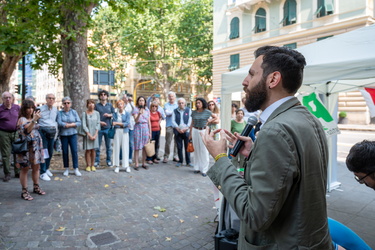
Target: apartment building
(241, 26)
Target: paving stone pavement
(119, 204)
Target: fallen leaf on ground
(168, 238)
(57, 178)
(60, 229)
(106, 185)
(58, 205)
(196, 217)
(155, 215)
(160, 209)
(91, 229)
(113, 182)
(76, 181)
(28, 213)
(182, 221)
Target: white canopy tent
(344, 62)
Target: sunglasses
(66, 103)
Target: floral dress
(35, 155)
(141, 129)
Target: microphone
(245, 132)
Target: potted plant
(343, 118)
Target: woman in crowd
(91, 126)
(121, 121)
(199, 122)
(234, 108)
(214, 120)
(27, 126)
(155, 119)
(68, 121)
(237, 125)
(142, 130)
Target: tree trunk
(75, 61)
(7, 66)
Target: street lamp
(138, 84)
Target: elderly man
(361, 161)
(281, 199)
(168, 108)
(106, 111)
(181, 120)
(48, 130)
(8, 126)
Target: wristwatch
(35, 121)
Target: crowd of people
(126, 127)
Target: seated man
(360, 161)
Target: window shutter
(234, 62)
(260, 20)
(234, 28)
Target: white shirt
(269, 110)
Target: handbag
(80, 129)
(20, 146)
(190, 147)
(150, 148)
(111, 131)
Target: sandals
(156, 161)
(37, 190)
(136, 168)
(145, 166)
(150, 162)
(26, 195)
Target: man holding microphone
(280, 201)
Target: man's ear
(274, 79)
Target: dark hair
(290, 63)
(139, 97)
(204, 102)
(89, 101)
(234, 105)
(240, 110)
(361, 157)
(103, 91)
(24, 106)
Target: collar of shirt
(269, 110)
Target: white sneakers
(76, 172)
(117, 170)
(66, 172)
(49, 173)
(127, 169)
(45, 177)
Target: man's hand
(248, 142)
(215, 147)
(103, 124)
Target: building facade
(241, 26)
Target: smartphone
(141, 107)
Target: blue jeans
(108, 146)
(66, 141)
(156, 138)
(47, 144)
(131, 143)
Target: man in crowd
(8, 126)
(48, 130)
(361, 161)
(106, 111)
(281, 199)
(168, 108)
(181, 120)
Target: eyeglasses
(66, 103)
(362, 180)
(51, 98)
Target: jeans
(182, 141)
(108, 146)
(156, 138)
(66, 141)
(6, 139)
(131, 143)
(47, 144)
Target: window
(102, 77)
(324, 37)
(290, 13)
(291, 45)
(260, 20)
(325, 8)
(234, 62)
(234, 28)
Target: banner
(369, 95)
(313, 103)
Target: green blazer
(281, 201)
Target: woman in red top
(155, 118)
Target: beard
(256, 97)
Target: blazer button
(219, 187)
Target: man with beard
(280, 200)
(361, 161)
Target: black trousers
(182, 142)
